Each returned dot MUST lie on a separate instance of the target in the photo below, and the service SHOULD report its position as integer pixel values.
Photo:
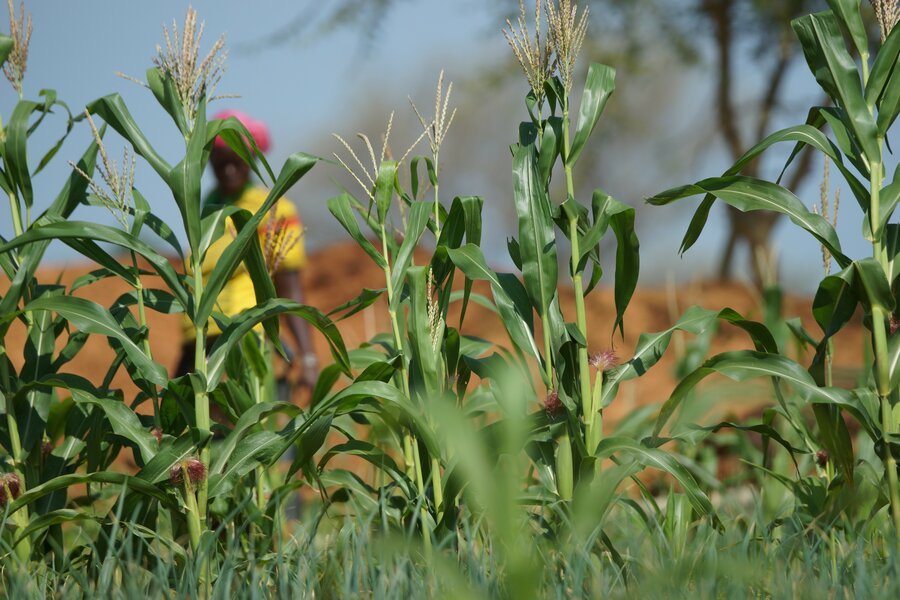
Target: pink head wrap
(257, 129)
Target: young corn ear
(191, 471)
(604, 361)
(10, 488)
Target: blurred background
(699, 82)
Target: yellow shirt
(281, 238)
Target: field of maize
(484, 434)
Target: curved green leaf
(551, 146)
(237, 136)
(385, 183)
(745, 364)
(516, 318)
(160, 466)
(253, 416)
(184, 181)
(894, 360)
(651, 346)
(750, 194)
(836, 72)
(74, 230)
(835, 301)
(262, 447)
(39, 523)
(89, 316)
(373, 455)
(241, 324)
(848, 13)
(416, 221)
(113, 110)
(537, 239)
(15, 151)
(599, 86)
(628, 258)
(653, 457)
(806, 135)
(62, 206)
(884, 67)
(124, 422)
(6, 46)
(875, 283)
(108, 477)
(365, 299)
(340, 207)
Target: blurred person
(234, 187)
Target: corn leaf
(537, 240)
(340, 207)
(750, 194)
(508, 295)
(241, 324)
(112, 110)
(89, 316)
(835, 70)
(653, 457)
(599, 86)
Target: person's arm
(289, 285)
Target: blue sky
(312, 84)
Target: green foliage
(489, 469)
(863, 112)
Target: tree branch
(720, 13)
(776, 78)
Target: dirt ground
(338, 273)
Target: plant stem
(409, 441)
(16, 214)
(260, 470)
(580, 315)
(437, 489)
(548, 358)
(20, 518)
(879, 334)
(201, 401)
(145, 343)
(584, 378)
(193, 512)
(595, 425)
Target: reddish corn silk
(196, 472)
(821, 458)
(46, 448)
(9, 488)
(604, 361)
(157, 433)
(895, 324)
(552, 404)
